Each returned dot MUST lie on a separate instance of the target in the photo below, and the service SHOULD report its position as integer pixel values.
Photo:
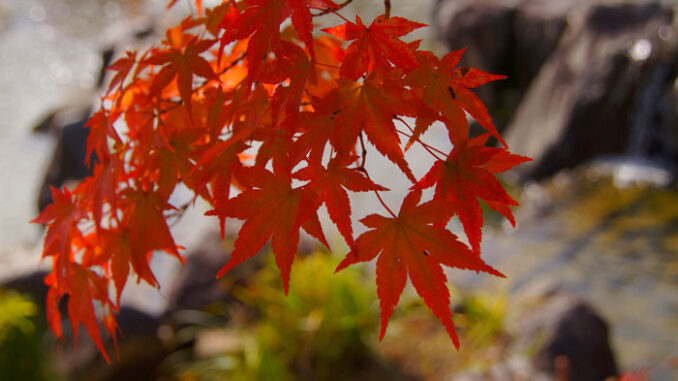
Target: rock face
(588, 79)
(589, 97)
(569, 337)
(195, 286)
(575, 339)
(510, 37)
(68, 160)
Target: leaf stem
(427, 147)
(363, 155)
(327, 65)
(376, 192)
(327, 11)
(363, 170)
(340, 16)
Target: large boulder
(585, 79)
(571, 338)
(565, 337)
(604, 89)
(509, 37)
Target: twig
(362, 169)
(426, 146)
(363, 155)
(327, 11)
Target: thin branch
(363, 155)
(328, 11)
(429, 148)
(376, 192)
(190, 6)
(340, 16)
(387, 8)
(362, 169)
(327, 65)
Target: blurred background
(592, 267)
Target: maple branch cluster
(234, 77)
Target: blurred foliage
(416, 341)
(482, 319)
(21, 333)
(321, 330)
(326, 329)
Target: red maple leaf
(101, 128)
(370, 107)
(85, 286)
(261, 20)
(331, 183)
(411, 244)
(148, 230)
(181, 64)
(62, 215)
(445, 89)
(376, 45)
(270, 194)
(467, 175)
(122, 67)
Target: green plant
(21, 346)
(322, 330)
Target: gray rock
(601, 91)
(585, 79)
(571, 338)
(196, 285)
(510, 37)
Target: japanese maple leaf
(468, 174)
(217, 166)
(261, 20)
(294, 64)
(147, 225)
(181, 64)
(445, 88)
(275, 147)
(376, 46)
(101, 128)
(331, 183)
(62, 215)
(301, 18)
(410, 244)
(85, 286)
(316, 128)
(101, 187)
(271, 209)
(122, 67)
(116, 248)
(371, 107)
